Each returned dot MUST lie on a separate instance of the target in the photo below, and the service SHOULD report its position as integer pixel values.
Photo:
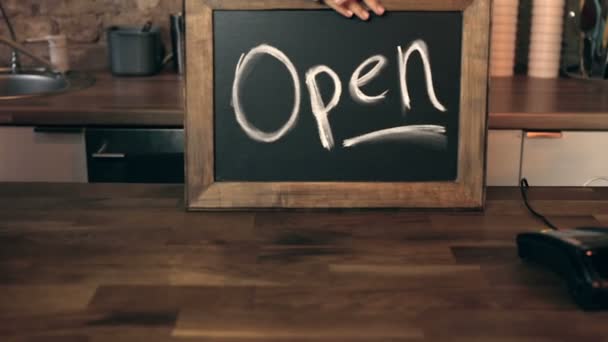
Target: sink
(26, 85)
(15, 86)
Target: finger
(356, 8)
(340, 8)
(375, 6)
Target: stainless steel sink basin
(29, 84)
(26, 85)
(17, 83)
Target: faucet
(19, 48)
(15, 63)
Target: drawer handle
(101, 154)
(544, 135)
(109, 155)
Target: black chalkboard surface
(416, 144)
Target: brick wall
(84, 22)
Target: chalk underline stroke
(394, 133)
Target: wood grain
(514, 103)
(409, 5)
(268, 195)
(473, 101)
(203, 193)
(141, 101)
(199, 149)
(555, 104)
(107, 262)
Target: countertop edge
(175, 118)
(519, 103)
(597, 121)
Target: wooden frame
(202, 192)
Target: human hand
(348, 8)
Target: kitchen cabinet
(504, 157)
(156, 155)
(135, 155)
(567, 158)
(145, 155)
(42, 154)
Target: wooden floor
(126, 263)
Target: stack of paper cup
(504, 32)
(546, 38)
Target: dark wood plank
(303, 324)
(514, 103)
(552, 104)
(127, 263)
(151, 101)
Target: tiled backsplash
(84, 23)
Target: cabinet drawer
(565, 158)
(51, 154)
(504, 157)
(135, 155)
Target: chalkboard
(312, 38)
(290, 105)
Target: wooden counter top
(150, 101)
(125, 262)
(558, 104)
(517, 103)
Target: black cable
(523, 186)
